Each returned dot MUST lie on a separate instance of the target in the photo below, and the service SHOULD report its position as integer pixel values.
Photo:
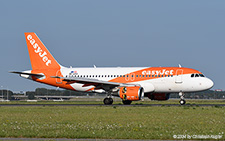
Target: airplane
(128, 83)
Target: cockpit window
(196, 75)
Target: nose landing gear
(182, 101)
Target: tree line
(7, 94)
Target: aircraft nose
(209, 83)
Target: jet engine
(132, 93)
(159, 96)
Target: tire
(182, 102)
(127, 102)
(108, 101)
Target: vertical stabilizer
(40, 57)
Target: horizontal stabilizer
(26, 73)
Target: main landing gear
(108, 101)
(182, 101)
(126, 102)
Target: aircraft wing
(99, 84)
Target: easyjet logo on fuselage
(39, 51)
(158, 72)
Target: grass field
(114, 122)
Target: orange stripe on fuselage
(156, 72)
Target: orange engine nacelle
(132, 93)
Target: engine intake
(132, 93)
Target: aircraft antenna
(180, 66)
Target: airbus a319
(128, 83)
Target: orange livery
(128, 83)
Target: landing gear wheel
(182, 102)
(126, 102)
(108, 101)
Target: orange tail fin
(40, 57)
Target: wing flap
(106, 85)
(86, 80)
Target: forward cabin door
(178, 77)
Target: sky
(141, 33)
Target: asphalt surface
(120, 105)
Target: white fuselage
(173, 83)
